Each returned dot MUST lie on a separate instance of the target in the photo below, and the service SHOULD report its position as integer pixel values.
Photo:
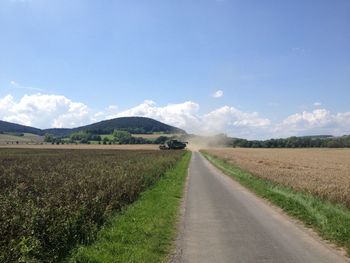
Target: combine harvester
(173, 145)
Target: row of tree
(124, 137)
(118, 137)
(294, 142)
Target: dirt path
(223, 222)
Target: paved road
(223, 222)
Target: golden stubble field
(322, 172)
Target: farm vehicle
(173, 145)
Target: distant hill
(136, 125)
(17, 128)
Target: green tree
(122, 137)
(48, 137)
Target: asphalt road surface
(223, 222)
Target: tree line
(118, 137)
(294, 142)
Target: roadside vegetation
(145, 230)
(52, 200)
(322, 172)
(330, 220)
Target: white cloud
(6, 103)
(45, 111)
(182, 115)
(233, 121)
(319, 121)
(243, 124)
(317, 117)
(317, 104)
(218, 94)
(186, 116)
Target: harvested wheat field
(322, 172)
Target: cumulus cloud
(45, 111)
(182, 115)
(239, 123)
(317, 104)
(319, 121)
(234, 122)
(218, 94)
(186, 115)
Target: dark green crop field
(52, 200)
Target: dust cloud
(197, 142)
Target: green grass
(331, 221)
(145, 230)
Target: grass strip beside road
(145, 230)
(331, 221)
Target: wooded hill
(17, 128)
(135, 125)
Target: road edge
(176, 254)
(308, 229)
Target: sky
(248, 68)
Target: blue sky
(279, 64)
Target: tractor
(173, 145)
